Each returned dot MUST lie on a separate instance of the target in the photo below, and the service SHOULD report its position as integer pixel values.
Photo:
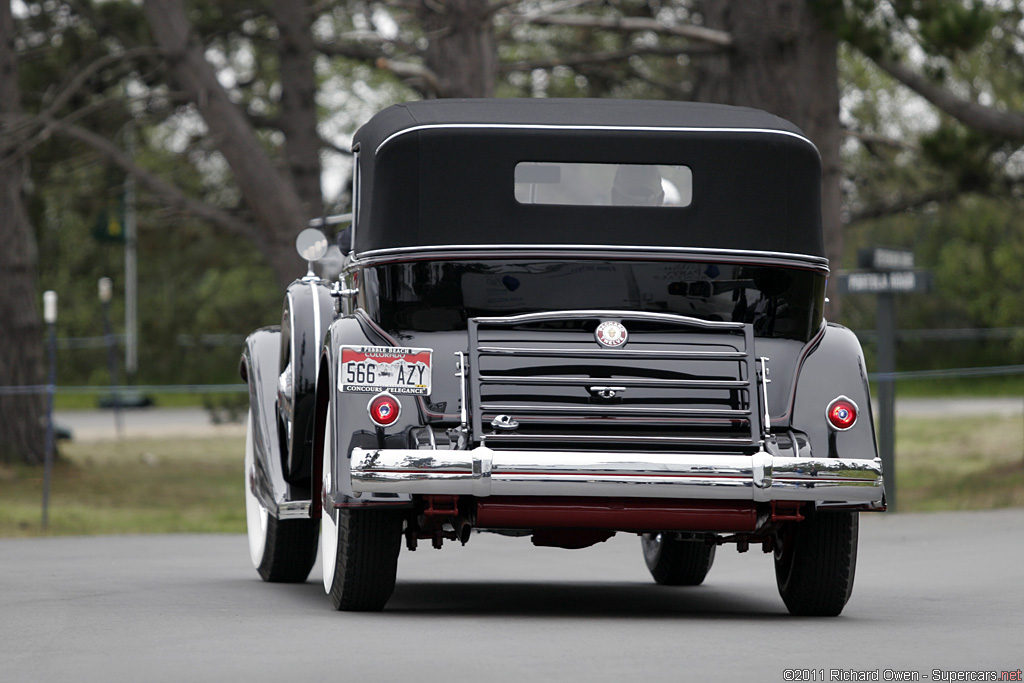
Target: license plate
(370, 369)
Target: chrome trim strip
(357, 187)
(293, 509)
(483, 471)
(610, 353)
(316, 312)
(872, 506)
(602, 438)
(819, 262)
(544, 381)
(610, 128)
(590, 410)
(584, 314)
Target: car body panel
(442, 252)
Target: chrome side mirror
(312, 246)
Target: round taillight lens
(841, 413)
(384, 410)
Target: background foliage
(913, 176)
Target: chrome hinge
(337, 291)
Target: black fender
(835, 367)
(349, 417)
(308, 312)
(258, 367)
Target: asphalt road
(938, 591)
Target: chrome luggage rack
(542, 380)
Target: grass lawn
(130, 486)
(960, 463)
(195, 485)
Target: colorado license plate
(371, 369)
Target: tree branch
(878, 139)
(167, 193)
(986, 119)
(673, 90)
(901, 205)
(374, 38)
(635, 24)
(33, 130)
(407, 70)
(334, 147)
(603, 57)
(517, 19)
(78, 80)
(357, 51)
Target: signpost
(887, 272)
(874, 282)
(106, 292)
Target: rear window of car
(432, 296)
(589, 184)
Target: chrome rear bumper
(759, 477)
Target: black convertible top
(442, 172)
(584, 112)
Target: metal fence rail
(947, 373)
(124, 389)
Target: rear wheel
(815, 563)
(676, 562)
(359, 549)
(366, 559)
(282, 551)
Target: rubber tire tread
(369, 542)
(290, 550)
(681, 563)
(819, 579)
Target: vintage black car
(564, 319)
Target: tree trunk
(462, 50)
(21, 349)
(783, 60)
(298, 115)
(270, 195)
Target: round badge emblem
(611, 333)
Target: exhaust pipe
(463, 529)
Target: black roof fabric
(584, 112)
(441, 172)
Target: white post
(50, 307)
(131, 298)
(106, 292)
(50, 318)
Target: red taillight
(384, 410)
(841, 413)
